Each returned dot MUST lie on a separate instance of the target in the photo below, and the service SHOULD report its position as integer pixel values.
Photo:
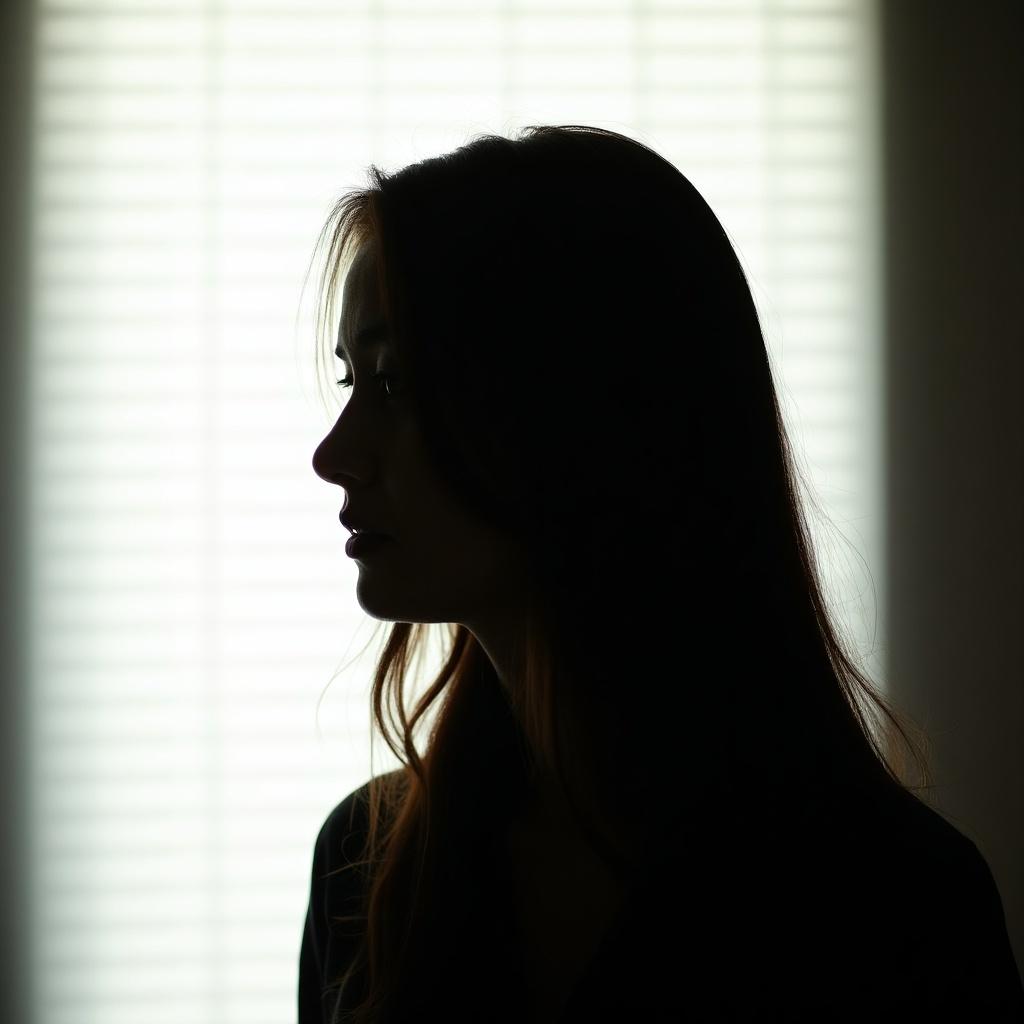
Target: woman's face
(439, 563)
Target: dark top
(855, 908)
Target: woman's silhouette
(656, 787)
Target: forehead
(362, 320)
(368, 335)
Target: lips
(357, 526)
(364, 544)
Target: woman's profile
(655, 786)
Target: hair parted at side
(593, 368)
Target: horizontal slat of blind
(191, 596)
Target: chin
(378, 604)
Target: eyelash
(346, 382)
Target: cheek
(493, 566)
(460, 549)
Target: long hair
(588, 373)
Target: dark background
(952, 299)
(952, 223)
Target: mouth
(363, 543)
(357, 531)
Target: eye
(346, 382)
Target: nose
(325, 465)
(344, 456)
(318, 461)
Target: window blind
(190, 596)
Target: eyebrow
(365, 336)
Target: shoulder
(335, 914)
(853, 899)
(921, 847)
(340, 839)
(894, 876)
(900, 846)
(959, 935)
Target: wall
(953, 230)
(15, 122)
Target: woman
(654, 787)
